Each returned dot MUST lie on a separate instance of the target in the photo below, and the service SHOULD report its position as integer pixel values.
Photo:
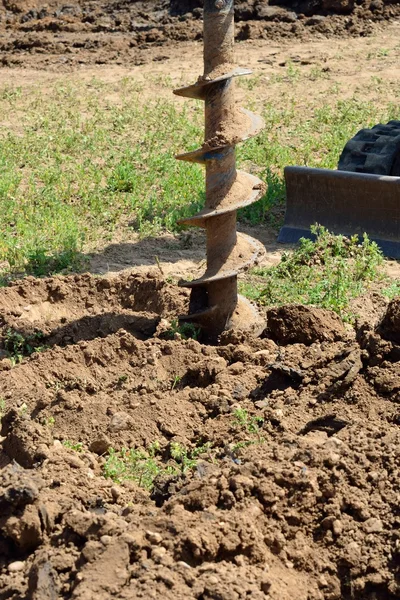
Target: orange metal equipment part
(215, 304)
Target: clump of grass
(327, 272)
(76, 446)
(18, 346)
(392, 291)
(185, 330)
(143, 466)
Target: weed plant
(76, 446)
(185, 330)
(327, 272)
(251, 425)
(18, 346)
(2, 408)
(143, 466)
(392, 290)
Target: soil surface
(297, 500)
(300, 500)
(39, 33)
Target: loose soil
(40, 34)
(304, 505)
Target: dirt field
(294, 490)
(41, 34)
(298, 500)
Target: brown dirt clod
(303, 324)
(389, 327)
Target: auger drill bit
(214, 303)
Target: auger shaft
(215, 304)
(221, 169)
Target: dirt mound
(303, 324)
(390, 325)
(293, 492)
(52, 32)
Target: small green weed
(327, 272)
(252, 424)
(318, 72)
(23, 409)
(18, 346)
(392, 290)
(143, 466)
(175, 381)
(187, 459)
(132, 464)
(2, 408)
(76, 446)
(185, 330)
(292, 74)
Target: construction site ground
(294, 491)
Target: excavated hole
(62, 311)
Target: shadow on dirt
(187, 248)
(91, 327)
(141, 326)
(148, 252)
(170, 255)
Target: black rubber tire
(375, 150)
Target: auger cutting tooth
(214, 303)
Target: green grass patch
(143, 466)
(18, 346)
(80, 159)
(327, 272)
(392, 290)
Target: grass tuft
(327, 272)
(143, 466)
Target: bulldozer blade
(343, 202)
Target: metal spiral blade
(215, 304)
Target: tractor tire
(375, 150)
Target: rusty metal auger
(214, 303)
